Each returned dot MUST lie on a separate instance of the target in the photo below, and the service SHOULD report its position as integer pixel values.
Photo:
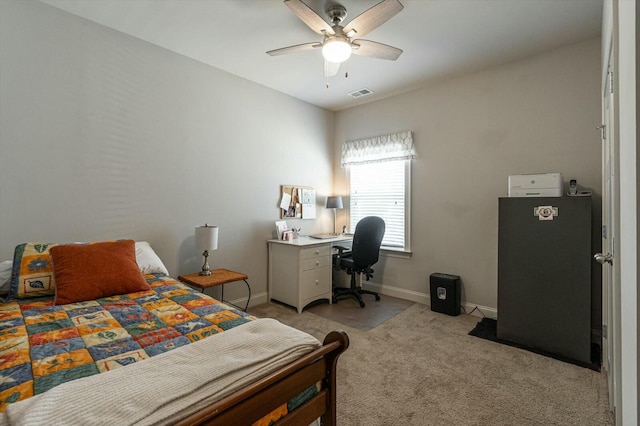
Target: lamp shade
(334, 202)
(207, 237)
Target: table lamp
(334, 203)
(206, 239)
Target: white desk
(300, 270)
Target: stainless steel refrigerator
(544, 274)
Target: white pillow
(148, 260)
(5, 276)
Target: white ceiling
(439, 37)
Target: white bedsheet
(168, 387)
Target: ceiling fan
(339, 41)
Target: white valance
(398, 146)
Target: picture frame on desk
(281, 226)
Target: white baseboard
(400, 293)
(481, 311)
(425, 299)
(256, 299)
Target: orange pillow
(91, 271)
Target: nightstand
(217, 277)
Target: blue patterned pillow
(5, 276)
(32, 272)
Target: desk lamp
(334, 203)
(206, 239)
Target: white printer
(540, 185)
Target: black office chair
(364, 254)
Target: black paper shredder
(445, 293)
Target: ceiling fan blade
(309, 17)
(294, 49)
(331, 69)
(374, 49)
(372, 18)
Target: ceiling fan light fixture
(336, 50)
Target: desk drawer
(318, 262)
(317, 251)
(316, 283)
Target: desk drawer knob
(317, 282)
(317, 263)
(317, 251)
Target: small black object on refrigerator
(445, 293)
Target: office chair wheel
(361, 304)
(377, 297)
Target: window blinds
(378, 189)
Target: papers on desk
(323, 236)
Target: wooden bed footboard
(255, 401)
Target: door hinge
(610, 82)
(603, 134)
(604, 231)
(613, 246)
(604, 331)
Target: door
(610, 270)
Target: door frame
(611, 295)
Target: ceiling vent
(360, 93)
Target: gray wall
(532, 116)
(105, 136)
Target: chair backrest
(366, 241)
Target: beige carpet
(422, 368)
(348, 312)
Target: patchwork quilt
(42, 345)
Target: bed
(157, 352)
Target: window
(382, 189)
(379, 171)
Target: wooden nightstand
(217, 277)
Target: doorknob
(602, 258)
